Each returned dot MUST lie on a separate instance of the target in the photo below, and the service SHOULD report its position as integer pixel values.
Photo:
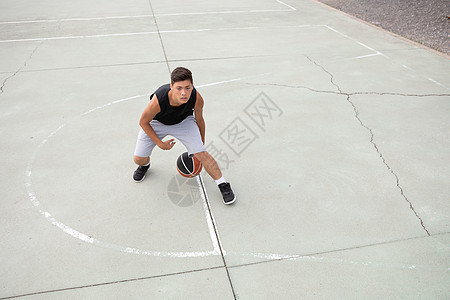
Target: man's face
(181, 91)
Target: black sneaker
(139, 174)
(227, 193)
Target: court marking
(146, 33)
(343, 261)
(220, 82)
(215, 239)
(90, 240)
(132, 250)
(84, 237)
(291, 8)
(177, 31)
(78, 37)
(76, 19)
(214, 235)
(191, 31)
(350, 38)
(373, 54)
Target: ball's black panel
(185, 164)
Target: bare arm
(149, 113)
(198, 111)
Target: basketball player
(176, 109)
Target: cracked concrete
(351, 93)
(2, 87)
(372, 137)
(372, 141)
(357, 116)
(331, 75)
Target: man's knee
(210, 164)
(141, 160)
(203, 157)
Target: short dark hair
(181, 74)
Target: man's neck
(171, 100)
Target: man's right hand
(167, 145)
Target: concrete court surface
(333, 134)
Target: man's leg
(212, 168)
(187, 132)
(210, 164)
(141, 161)
(143, 166)
(144, 147)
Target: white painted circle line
(81, 236)
(90, 240)
(131, 250)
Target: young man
(176, 109)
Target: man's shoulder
(162, 92)
(163, 88)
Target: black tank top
(170, 115)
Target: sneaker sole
(139, 180)
(230, 202)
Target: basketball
(188, 166)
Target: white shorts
(186, 132)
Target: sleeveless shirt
(170, 115)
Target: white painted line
(238, 28)
(209, 217)
(364, 45)
(223, 12)
(216, 83)
(37, 204)
(88, 239)
(231, 80)
(79, 37)
(350, 38)
(188, 30)
(273, 256)
(152, 32)
(114, 102)
(376, 52)
(382, 54)
(335, 260)
(365, 56)
(436, 82)
(419, 74)
(76, 19)
(408, 68)
(291, 7)
(151, 16)
(379, 53)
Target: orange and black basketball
(188, 166)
